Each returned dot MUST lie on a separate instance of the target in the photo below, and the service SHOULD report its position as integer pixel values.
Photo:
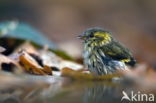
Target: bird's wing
(118, 52)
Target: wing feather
(118, 52)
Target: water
(42, 89)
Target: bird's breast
(97, 62)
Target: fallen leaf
(52, 60)
(31, 66)
(6, 61)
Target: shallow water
(39, 89)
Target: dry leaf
(6, 61)
(47, 70)
(31, 66)
(28, 47)
(52, 60)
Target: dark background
(133, 22)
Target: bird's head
(96, 36)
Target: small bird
(103, 54)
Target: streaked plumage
(103, 54)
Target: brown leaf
(47, 70)
(31, 66)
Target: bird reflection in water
(103, 93)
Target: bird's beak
(81, 36)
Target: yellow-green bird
(103, 54)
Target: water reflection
(102, 93)
(61, 91)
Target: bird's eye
(91, 36)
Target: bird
(103, 54)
